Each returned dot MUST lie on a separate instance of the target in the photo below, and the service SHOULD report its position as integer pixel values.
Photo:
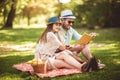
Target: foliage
(97, 13)
(3, 3)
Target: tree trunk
(4, 15)
(28, 19)
(11, 15)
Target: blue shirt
(70, 34)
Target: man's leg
(86, 52)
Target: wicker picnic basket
(40, 68)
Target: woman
(47, 45)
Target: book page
(85, 39)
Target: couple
(54, 44)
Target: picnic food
(35, 61)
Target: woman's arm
(56, 41)
(61, 39)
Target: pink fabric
(24, 67)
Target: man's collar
(63, 28)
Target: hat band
(67, 15)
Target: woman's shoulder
(50, 34)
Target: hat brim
(73, 17)
(54, 22)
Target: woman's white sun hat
(67, 14)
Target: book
(85, 39)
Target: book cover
(85, 39)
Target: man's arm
(76, 35)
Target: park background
(23, 21)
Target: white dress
(47, 50)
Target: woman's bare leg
(77, 58)
(70, 60)
(61, 64)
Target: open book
(85, 39)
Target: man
(68, 33)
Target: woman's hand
(68, 47)
(76, 47)
(62, 47)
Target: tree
(98, 13)
(3, 10)
(34, 8)
(11, 15)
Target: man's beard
(66, 27)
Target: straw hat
(67, 14)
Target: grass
(106, 46)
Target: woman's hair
(43, 38)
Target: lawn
(18, 45)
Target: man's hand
(93, 34)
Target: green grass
(106, 46)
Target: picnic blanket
(24, 67)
